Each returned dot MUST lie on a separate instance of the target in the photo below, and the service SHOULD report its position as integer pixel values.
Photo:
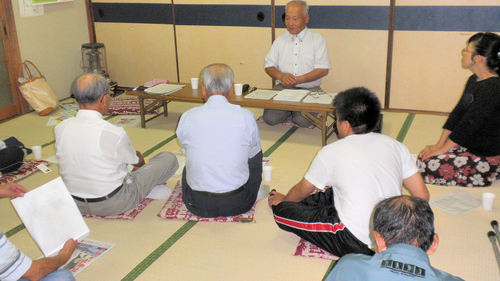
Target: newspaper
(87, 252)
(54, 120)
(128, 121)
(70, 106)
(457, 202)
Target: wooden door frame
(13, 59)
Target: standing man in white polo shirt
(297, 59)
(93, 156)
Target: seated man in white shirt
(297, 59)
(361, 169)
(223, 156)
(93, 156)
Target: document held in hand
(51, 216)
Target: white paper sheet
(321, 98)
(163, 89)
(291, 95)
(457, 202)
(261, 94)
(51, 216)
(160, 192)
(181, 160)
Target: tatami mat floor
(244, 251)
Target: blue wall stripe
(343, 17)
(446, 18)
(223, 15)
(132, 13)
(411, 18)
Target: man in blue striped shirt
(15, 265)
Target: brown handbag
(35, 89)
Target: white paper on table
(51, 216)
(163, 89)
(261, 94)
(321, 98)
(291, 95)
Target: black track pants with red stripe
(316, 220)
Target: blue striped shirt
(13, 262)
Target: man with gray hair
(403, 228)
(224, 159)
(93, 156)
(297, 59)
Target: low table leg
(143, 112)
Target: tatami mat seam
(21, 226)
(158, 252)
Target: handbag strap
(26, 66)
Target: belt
(222, 194)
(98, 199)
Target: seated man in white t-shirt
(362, 168)
(93, 156)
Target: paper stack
(163, 89)
(291, 95)
(51, 216)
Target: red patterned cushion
(27, 168)
(174, 208)
(128, 215)
(308, 249)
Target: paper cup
(37, 151)
(194, 83)
(238, 89)
(488, 200)
(268, 172)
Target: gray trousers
(276, 116)
(136, 186)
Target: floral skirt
(460, 167)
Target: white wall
(53, 42)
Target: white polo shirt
(299, 54)
(93, 154)
(218, 139)
(363, 170)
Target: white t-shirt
(299, 54)
(363, 170)
(93, 154)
